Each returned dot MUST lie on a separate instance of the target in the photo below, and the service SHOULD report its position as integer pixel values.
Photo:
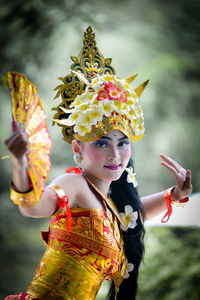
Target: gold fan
(27, 110)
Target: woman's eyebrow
(110, 139)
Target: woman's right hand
(18, 146)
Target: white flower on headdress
(86, 119)
(119, 105)
(73, 118)
(132, 114)
(131, 176)
(81, 129)
(139, 130)
(95, 115)
(129, 217)
(108, 107)
(80, 99)
(129, 268)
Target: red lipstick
(113, 167)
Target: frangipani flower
(94, 115)
(131, 175)
(108, 108)
(118, 105)
(74, 117)
(129, 217)
(81, 129)
(80, 99)
(129, 268)
(85, 119)
(138, 131)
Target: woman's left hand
(182, 177)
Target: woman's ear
(76, 146)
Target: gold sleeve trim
(57, 189)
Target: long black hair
(124, 193)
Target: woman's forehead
(115, 134)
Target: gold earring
(77, 157)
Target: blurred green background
(157, 39)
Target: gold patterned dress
(76, 263)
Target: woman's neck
(103, 185)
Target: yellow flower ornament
(129, 217)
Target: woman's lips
(113, 167)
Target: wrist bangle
(169, 201)
(180, 202)
(22, 199)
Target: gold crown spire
(89, 62)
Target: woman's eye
(123, 143)
(101, 144)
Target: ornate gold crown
(95, 100)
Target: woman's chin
(114, 175)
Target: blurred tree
(171, 268)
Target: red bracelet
(169, 201)
(168, 206)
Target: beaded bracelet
(169, 201)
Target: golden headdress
(95, 100)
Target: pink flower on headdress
(112, 92)
(102, 95)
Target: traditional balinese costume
(85, 246)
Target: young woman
(97, 228)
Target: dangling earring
(77, 157)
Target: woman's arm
(18, 147)
(154, 204)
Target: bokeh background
(157, 39)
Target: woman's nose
(114, 154)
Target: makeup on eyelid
(101, 143)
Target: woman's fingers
(173, 163)
(169, 167)
(17, 144)
(188, 177)
(181, 176)
(174, 172)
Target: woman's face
(107, 157)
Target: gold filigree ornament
(95, 101)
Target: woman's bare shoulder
(72, 185)
(67, 179)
